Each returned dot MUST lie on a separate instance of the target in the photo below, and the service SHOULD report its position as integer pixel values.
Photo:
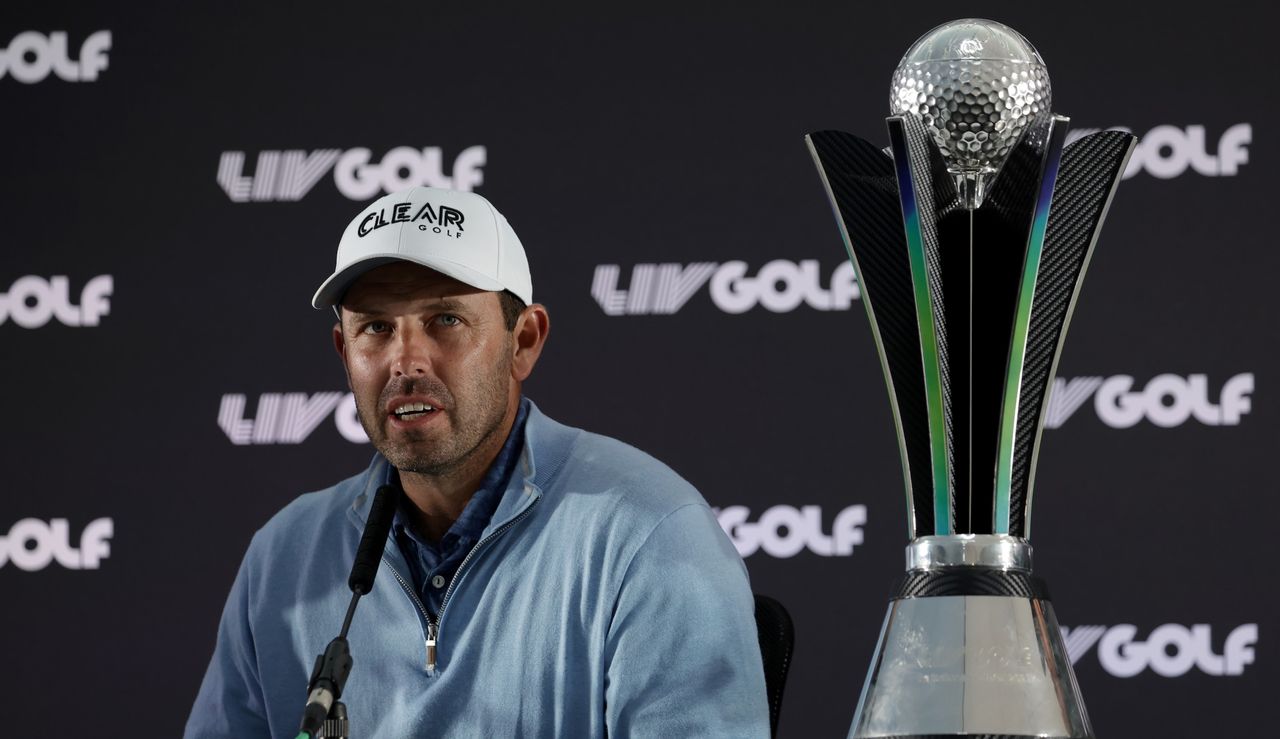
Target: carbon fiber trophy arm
(1087, 182)
(861, 186)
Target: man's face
(429, 361)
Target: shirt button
(438, 582)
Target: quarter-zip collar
(522, 492)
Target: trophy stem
(969, 523)
(971, 187)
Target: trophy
(970, 235)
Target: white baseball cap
(459, 234)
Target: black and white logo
(783, 531)
(780, 286)
(1171, 650)
(33, 301)
(290, 175)
(288, 418)
(444, 220)
(33, 544)
(32, 56)
(1165, 400)
(1166, 152)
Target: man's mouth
(410, 411)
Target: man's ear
(529, 335)
(340, 346)
(339, 343)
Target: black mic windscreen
(374, 540)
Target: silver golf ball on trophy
(970, 235)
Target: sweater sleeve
(230, 701)
(683, 656)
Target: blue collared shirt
(432, 566)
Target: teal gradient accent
(1021, 327)
(928, 346)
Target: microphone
(374, 540)
(332, 667)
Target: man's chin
(407, 458)
(412, 442)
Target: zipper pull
(431, 648)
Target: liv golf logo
(31, 56)
(783, 531)
(33, 301)
(1170, 650)
(33, 545)
(290, 175)
(1165, 400)
(780, 286)
(288, 418)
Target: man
(539, 580)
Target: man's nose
(412, 352)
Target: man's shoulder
(609, 472)
(315, 511)
(625, 465)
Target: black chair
(777, 639)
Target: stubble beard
(445, 449)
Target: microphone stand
(325, 715)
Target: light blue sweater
(602, 600)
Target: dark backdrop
(632, 137)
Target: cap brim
(331, 291)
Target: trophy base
(970, 650)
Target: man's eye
(448, 319)
(376, 327)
